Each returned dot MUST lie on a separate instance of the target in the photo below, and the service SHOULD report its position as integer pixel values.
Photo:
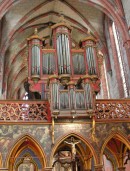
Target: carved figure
(73, 148)
(128, 157)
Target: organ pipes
(91, 60)
(63, 53)
(88, 95)
(35, 46)
(88, 92)
(35, 60)
(89, 44)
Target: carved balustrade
(113, 110)
(39, 111)
(24, 110)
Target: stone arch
(123, 138)
(79, 136)
(19, 146)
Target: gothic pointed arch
(25, 143)
(78, 137)
(116, 142)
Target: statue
(128, 157)
(73, 149)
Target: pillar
(121, 168)
(48, 169)
(99, 168)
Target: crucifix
(73, 148)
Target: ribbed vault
(21, 17)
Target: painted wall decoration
(10, 134)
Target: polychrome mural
(9, 134)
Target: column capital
(48, 169)
(121, 168)
(98, 167)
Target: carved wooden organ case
(68, 77)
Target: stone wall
(126, 6)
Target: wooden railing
(24, 110)
(39, 111)
(115, 110)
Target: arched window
(27, 164)
(107, 164)
(120, 49)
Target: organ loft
(67, 75)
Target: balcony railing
(24, 110)
(113, 110)
(39, 111)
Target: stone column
(48, 169)
(121, 168)
(99, 168)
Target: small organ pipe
(59, 57)
(60, 53)
(68, 52)
(88, 60)
(92, 60)
(63, 54)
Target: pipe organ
(71, 74)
